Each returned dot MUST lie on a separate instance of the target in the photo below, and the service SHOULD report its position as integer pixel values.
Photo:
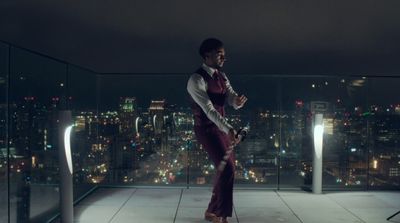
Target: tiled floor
(124, 205)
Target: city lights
(375, 164)
(109, 148)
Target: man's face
(216, 58)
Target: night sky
(158, 41)
(261, 37)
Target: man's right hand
(232, 137)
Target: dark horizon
(285, 37)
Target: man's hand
(232, 137)
(240, 100)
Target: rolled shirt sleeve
(197, 89)
(231, 94)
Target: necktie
(216, 75)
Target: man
(210, 88)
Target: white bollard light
(318, 151)
(65, 160)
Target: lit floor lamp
(318, 135)
(65, 160)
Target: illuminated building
(127, 114)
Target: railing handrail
(47, 56)
(261, 75)
(325, 75)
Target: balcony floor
(147, 205)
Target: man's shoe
(219, 220)
(209, 216)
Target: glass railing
(137, 130)
(4, 192)
(34, 89)
(35, 82)
(147, 127)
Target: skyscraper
(127, 114)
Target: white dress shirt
(197, 88)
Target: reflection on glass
(384, 129)
(37, 88)
(4, 61)
(82, 103)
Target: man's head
(213, 53)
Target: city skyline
(121, 69)
(112, 128)
(361, 146)
(361, 143)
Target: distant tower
(299, 127)
(127, 114)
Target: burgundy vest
(216, 90)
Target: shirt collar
(209, 69)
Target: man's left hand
(240, 100)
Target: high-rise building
(127, 114)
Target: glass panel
(4, 61)
(256, 156)
(384, 153)
(342, 103)
(140, 134)
(296, 148)
(82, 103)
(350, 135)
(37, 91)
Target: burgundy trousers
(216, 142)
